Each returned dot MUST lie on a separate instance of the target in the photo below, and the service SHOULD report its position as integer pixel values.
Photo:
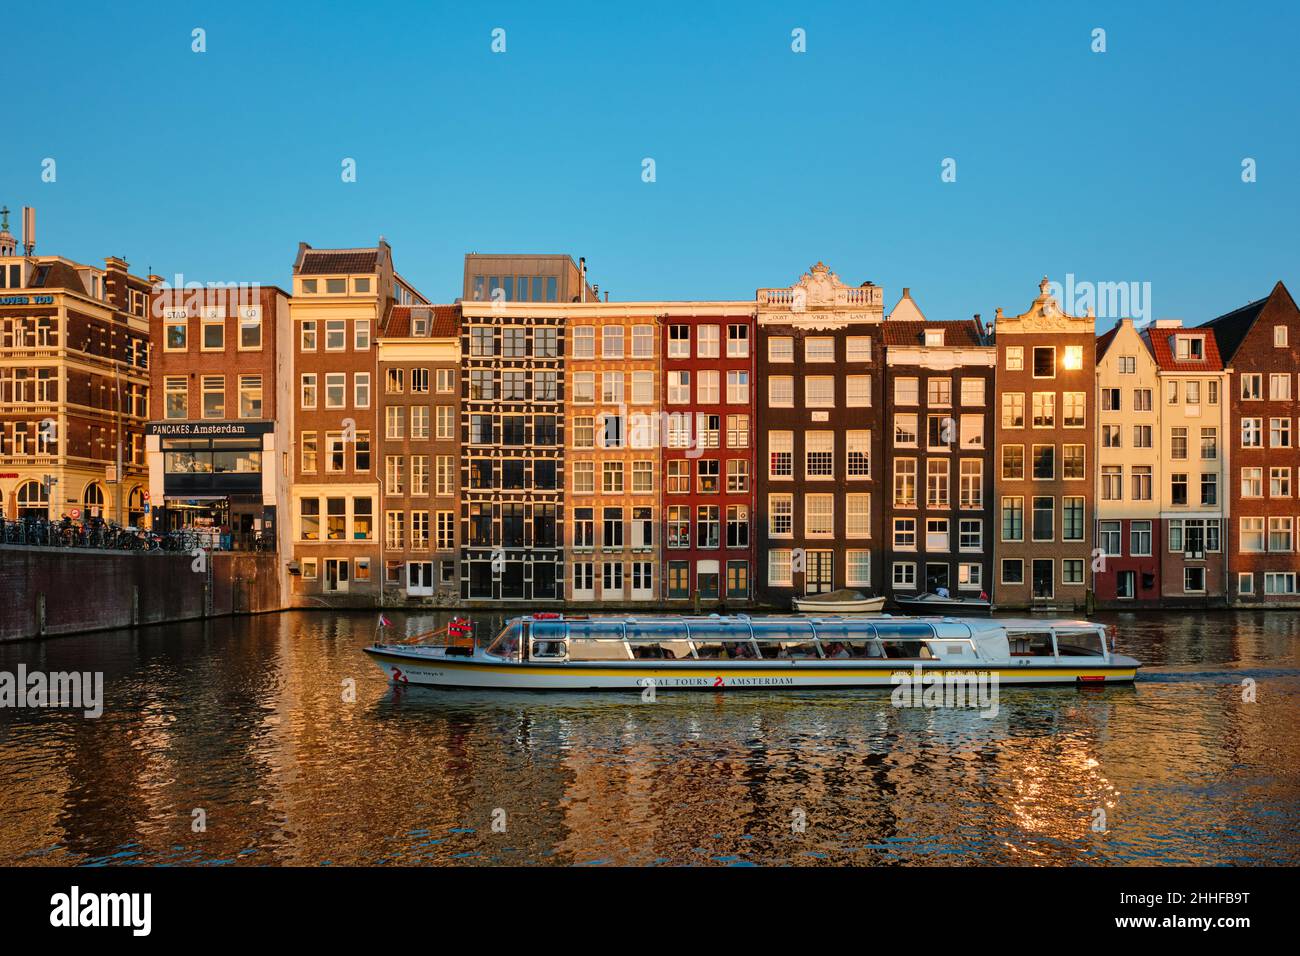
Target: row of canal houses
(535, 444)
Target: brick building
(74, 385)
(419, 448)
(220, 409)
(1046, 387)
(937, 420)
(818, 437)
(1260, 347)
(707, 441)
(513, 446)
(612, 358)
(341, 297)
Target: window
(1045, 361)
(307, 444)
(1209, 489)
(584, 477)
(1279, 582)
(1072, 571)
(214, 329)
(737, 341)
(1279, 482)
(907, 391)
(779, 568)
(175, 397)
(737, 388)
(1279, 432)
(1252, 482)
(1013, 571)
(706, 341)
(707, 476)
(1142, 483)
(1044, 409)
(819, 349)
(1072, 463)
(1044, 528)
(677, 477)
(905, 482)
(938, 391)
(905, 534)
(1252, 433)
(857, 516)
(1209, 444)
(780, 454)
(1072, 518)
(904, 573)
(584, 342)
(858, 348)
(936, 483)
(737, 431)
(972, 431)
(611, 388)
(737, 476)
(971, 534)
(905, 431)
(819, 454)
(1044, 462)
(857, 568)
(1279, 336)
(780, 391)
(1013, 462)
(336, 389)
(361, 341)
(858, 454)
(1013, 410)
(611, 342)
(1140, 539)
(972, 483)
(1178, 444)
(780, 349)
(819, 391)
(972, 391)
(336, 332)
(1252, 386)
(819, 516)
(214, 396)
(857, 391)
(1171, 394)
(1178, 488)
(1280, 534)
(1110, 400)
(1074, 407)
(361, 390)
(679, 387)
(1015, 358)
(1109, 538)
(1111, 436)
(708, 532)
(780, 512)
(1142, 436)
(1013, 519)
(679, 341)
(936, 534)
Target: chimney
(582, 278)
(29, 230)
(606, 295)
(907, 293)
(115, 275)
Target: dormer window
(1189, 348)
(934, 339)
(419, 322)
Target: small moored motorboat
(843, 601)
(928, 602)
(551, 652)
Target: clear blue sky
(1121, 166)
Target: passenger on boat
(837, 651)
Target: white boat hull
(407, 666)
(810, 605)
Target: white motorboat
(839, 602)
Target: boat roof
(975, 623)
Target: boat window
(1030, 643)
(907, 650)
(597, 641)
(1081, 642)
(658, 640)
(726, 649)
(772, 650)
(547, 640)
(507, 644)
(900, 629)
(864, 647)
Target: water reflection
(245, 725)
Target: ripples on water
(246, 720)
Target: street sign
(74, 514)
(110, 474)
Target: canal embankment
(55, 591)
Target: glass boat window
(548, 640)
(1030, 643)
(907, 650)
(1082, 642)
(726, 649)
(507, 643)
(658, 640)
(597, 641)
(842, 641)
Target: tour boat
(839, 602)
(554, 652)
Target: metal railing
(100, 535)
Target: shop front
(213, 478)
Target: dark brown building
(819, 438)
(1260, 346)
(938, 455)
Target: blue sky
(1116, 166)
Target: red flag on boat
(458, 626)
(383, 621)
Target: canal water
(273, 740)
